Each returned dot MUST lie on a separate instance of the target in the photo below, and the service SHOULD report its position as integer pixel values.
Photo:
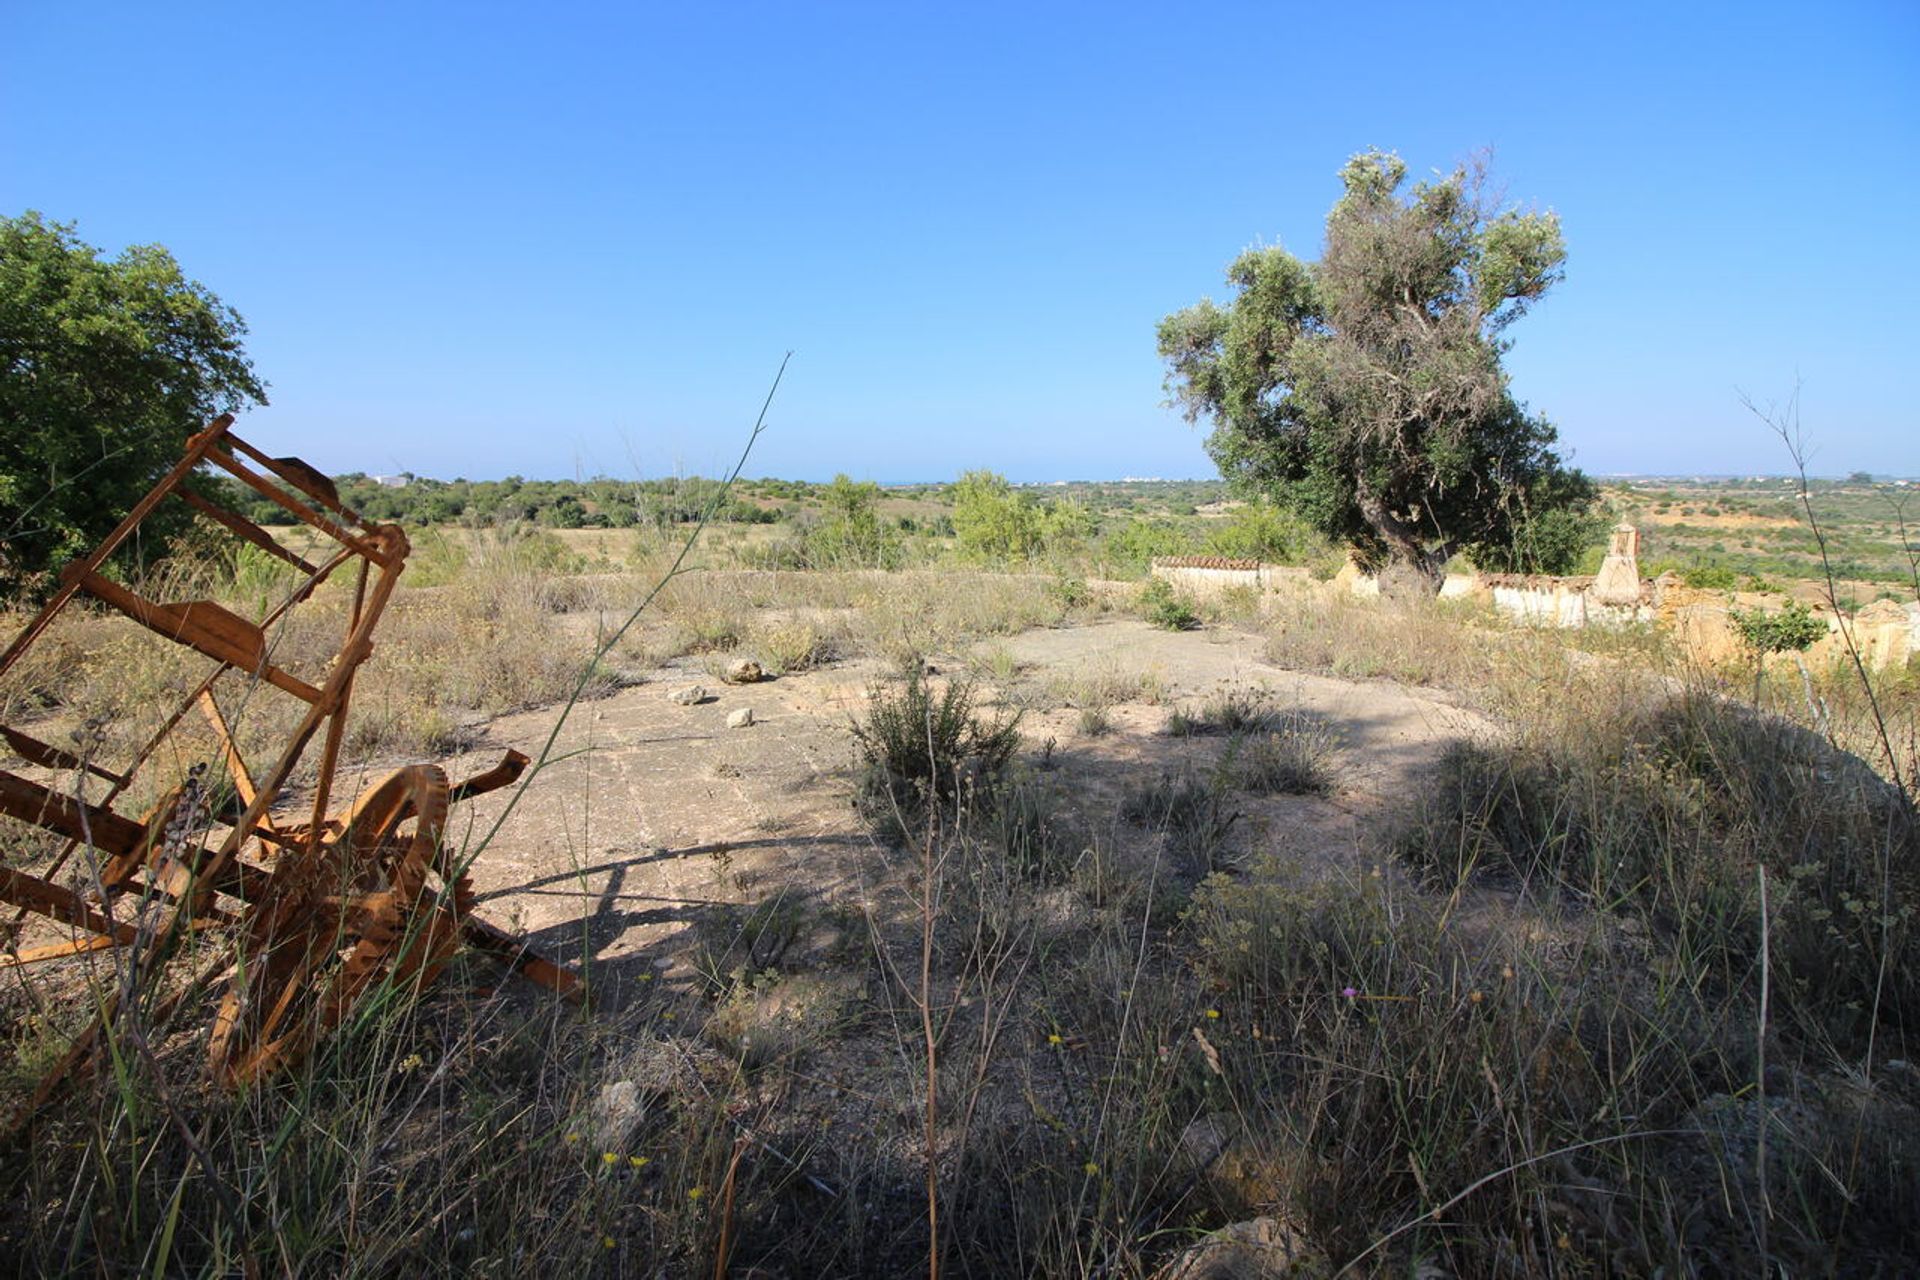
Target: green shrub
(1072, 592)
(1790, 629)
(919, 747)
(1710, 577)
(1260, 530)
(1160, 606)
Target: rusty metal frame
(201, 869)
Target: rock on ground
(1259, 1249)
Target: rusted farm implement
(288, 919)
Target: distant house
(400, 481)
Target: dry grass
(1436, 643)
(1529, 1039)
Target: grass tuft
(920, 747)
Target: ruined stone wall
(1887, 633)
(1209, 575)
(1561, 602)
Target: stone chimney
(1618, 581)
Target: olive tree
(106, 366)
(1365, 390)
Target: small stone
(740, 719)
(744, 671)
(686, 695)
(614, 1116)
(1254, 1250)
(1204, 1139)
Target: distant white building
(400, 481)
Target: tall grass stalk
(606, 644)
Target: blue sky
(577, 239)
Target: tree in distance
(1365, 390)
(105, 368)
(996, 523)
(851, 533)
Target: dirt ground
(648, 814)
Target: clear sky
(569, 239)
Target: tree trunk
(1415, 579)
(1414, 568)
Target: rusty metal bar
(506, 773)
(43, 807)
(48, 756)
(198, 448)
(245, 529)
(62, 903)
(203, 625)
(306, 514)
(57, 951)
(305, 479)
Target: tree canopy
(850, 532)
(106, 366)
(1365, 391)
(997, 523)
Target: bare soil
(647, 815)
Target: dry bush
(1191, 811)
(892, 615)
(1436, 642)
(1667, 810)
(448, 657)
(995, 663)
(796, 645)
(920, 612)
(1235, 711)
(1296, 756)
(1097, 689)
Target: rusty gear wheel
(335, 924)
